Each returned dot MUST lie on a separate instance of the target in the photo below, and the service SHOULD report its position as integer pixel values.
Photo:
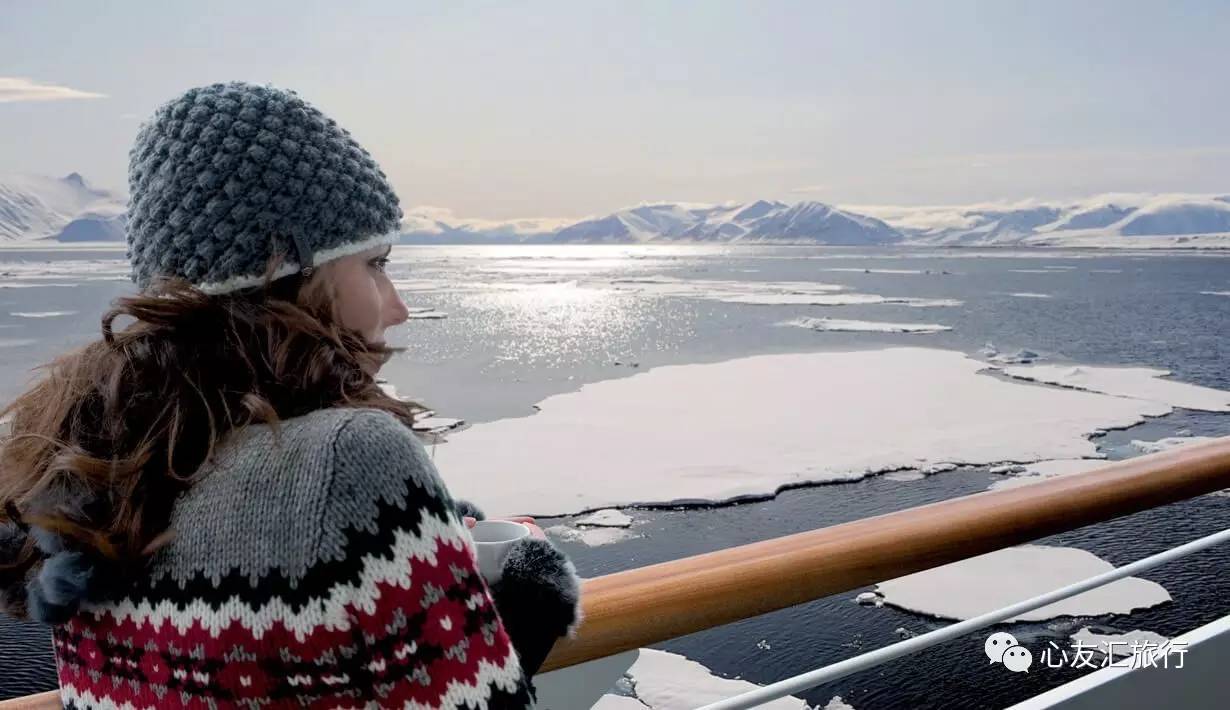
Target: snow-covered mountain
(815, 223)
(756, 222)
(1107, 220)
(67, 208)
(1127, 220)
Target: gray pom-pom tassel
(49, 542)
(61, 585)
(66, 577)
(42, 610)
(12, 582)
(12, 539)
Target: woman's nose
(399, 313)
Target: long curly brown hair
(101, 446)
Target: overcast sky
(575, 108)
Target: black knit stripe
(376, 540)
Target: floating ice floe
(863, 326)
(965, 589)
(36, 284)
(1118, 645)
(83, 269)
(426, 420)
(673, 286)
(437, 425)
(717, 290)
(593, 537)
(1036, 271)
(668, 681)
(42, 314)
(606, 518)
(388, 388)
(905, 476)
(1046, 470)
(1168, 443)
(681, 433)
(768, 293)
(839, 299)
(852, 269)
(1216, 293)
(836, 703)
(1136, 382)
(618, 702)
(1026, 294)
(417, 285)
(1020, 357)
(427, 314)
(15, 342)
(917, 474)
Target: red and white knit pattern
(415, 628)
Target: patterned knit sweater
(321, 566)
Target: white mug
(493, 539)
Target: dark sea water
(524, 323)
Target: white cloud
(17, 89)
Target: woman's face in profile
(366, 300)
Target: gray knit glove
(466, 509)
(538, 596)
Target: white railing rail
(879, 656)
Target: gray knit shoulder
(379, 465)
(258, 506)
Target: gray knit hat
(225, 176)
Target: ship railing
(629, 610)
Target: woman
(215, 504)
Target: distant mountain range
(65, 209)
(69, 209)
(757, 222)
(1106, 220)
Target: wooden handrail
(647, 605)
(628, 610)
(40, 701)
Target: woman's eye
(381, 263)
